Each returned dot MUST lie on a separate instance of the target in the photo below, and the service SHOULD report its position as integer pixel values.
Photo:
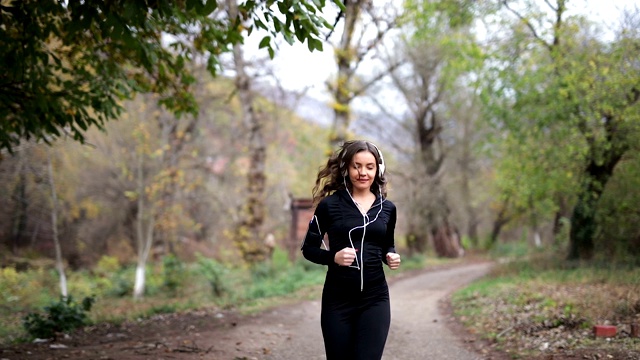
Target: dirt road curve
(419, 330)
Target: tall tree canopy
(566, 102)
(67, 65)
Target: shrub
(285, 281)
(20, 289)
(262, 271)
(10, 283)
(121, 283)
(214, 273)
(173, 273)
(62, 316)
(107, 265)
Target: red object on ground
(604, 331)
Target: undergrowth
(542, 304)
(171, 286)
(60, 317)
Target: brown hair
(334, 175)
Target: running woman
(359, 223)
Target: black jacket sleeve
(389, 239)
(311, 245)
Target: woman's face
(362, 171)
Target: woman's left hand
(393, 260)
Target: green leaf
(277, 25)
(314, 44)
(282, 7)
(288, 38)
(137, 61)
(260, 24)
(209, 7)
(265, 42)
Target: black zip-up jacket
(372, 235)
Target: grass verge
(541, 307)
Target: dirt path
(419, 330)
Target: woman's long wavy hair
(335, 175)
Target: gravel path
(418, 329)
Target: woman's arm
(392, 258)
(318, 226)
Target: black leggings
(355, 324)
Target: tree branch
(527, 24)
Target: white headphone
(381, 166)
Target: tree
(248, 235)
(160, 178)
(67, 66)
(15, 185)
(39, 206)
(54, 227)
(573, 98)
(364, 31)
(422, 89)
(437, 39)
(195, 180)
(146, 213)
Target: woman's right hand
(345, 257)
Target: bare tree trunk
(422, 92)
(501, 220)
(54, 228)
(583, 218)
(20, 218)
(174, 139)
(445, 236)
(345, 57)
(144, 233)
(562, 213)
(417, 234)
(350, 52)
(466, 160)
(249, 237)
(446, 239)
(535, 228)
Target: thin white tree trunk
(138, 288)
(54, 228)
(144, 239)
(537, 239)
